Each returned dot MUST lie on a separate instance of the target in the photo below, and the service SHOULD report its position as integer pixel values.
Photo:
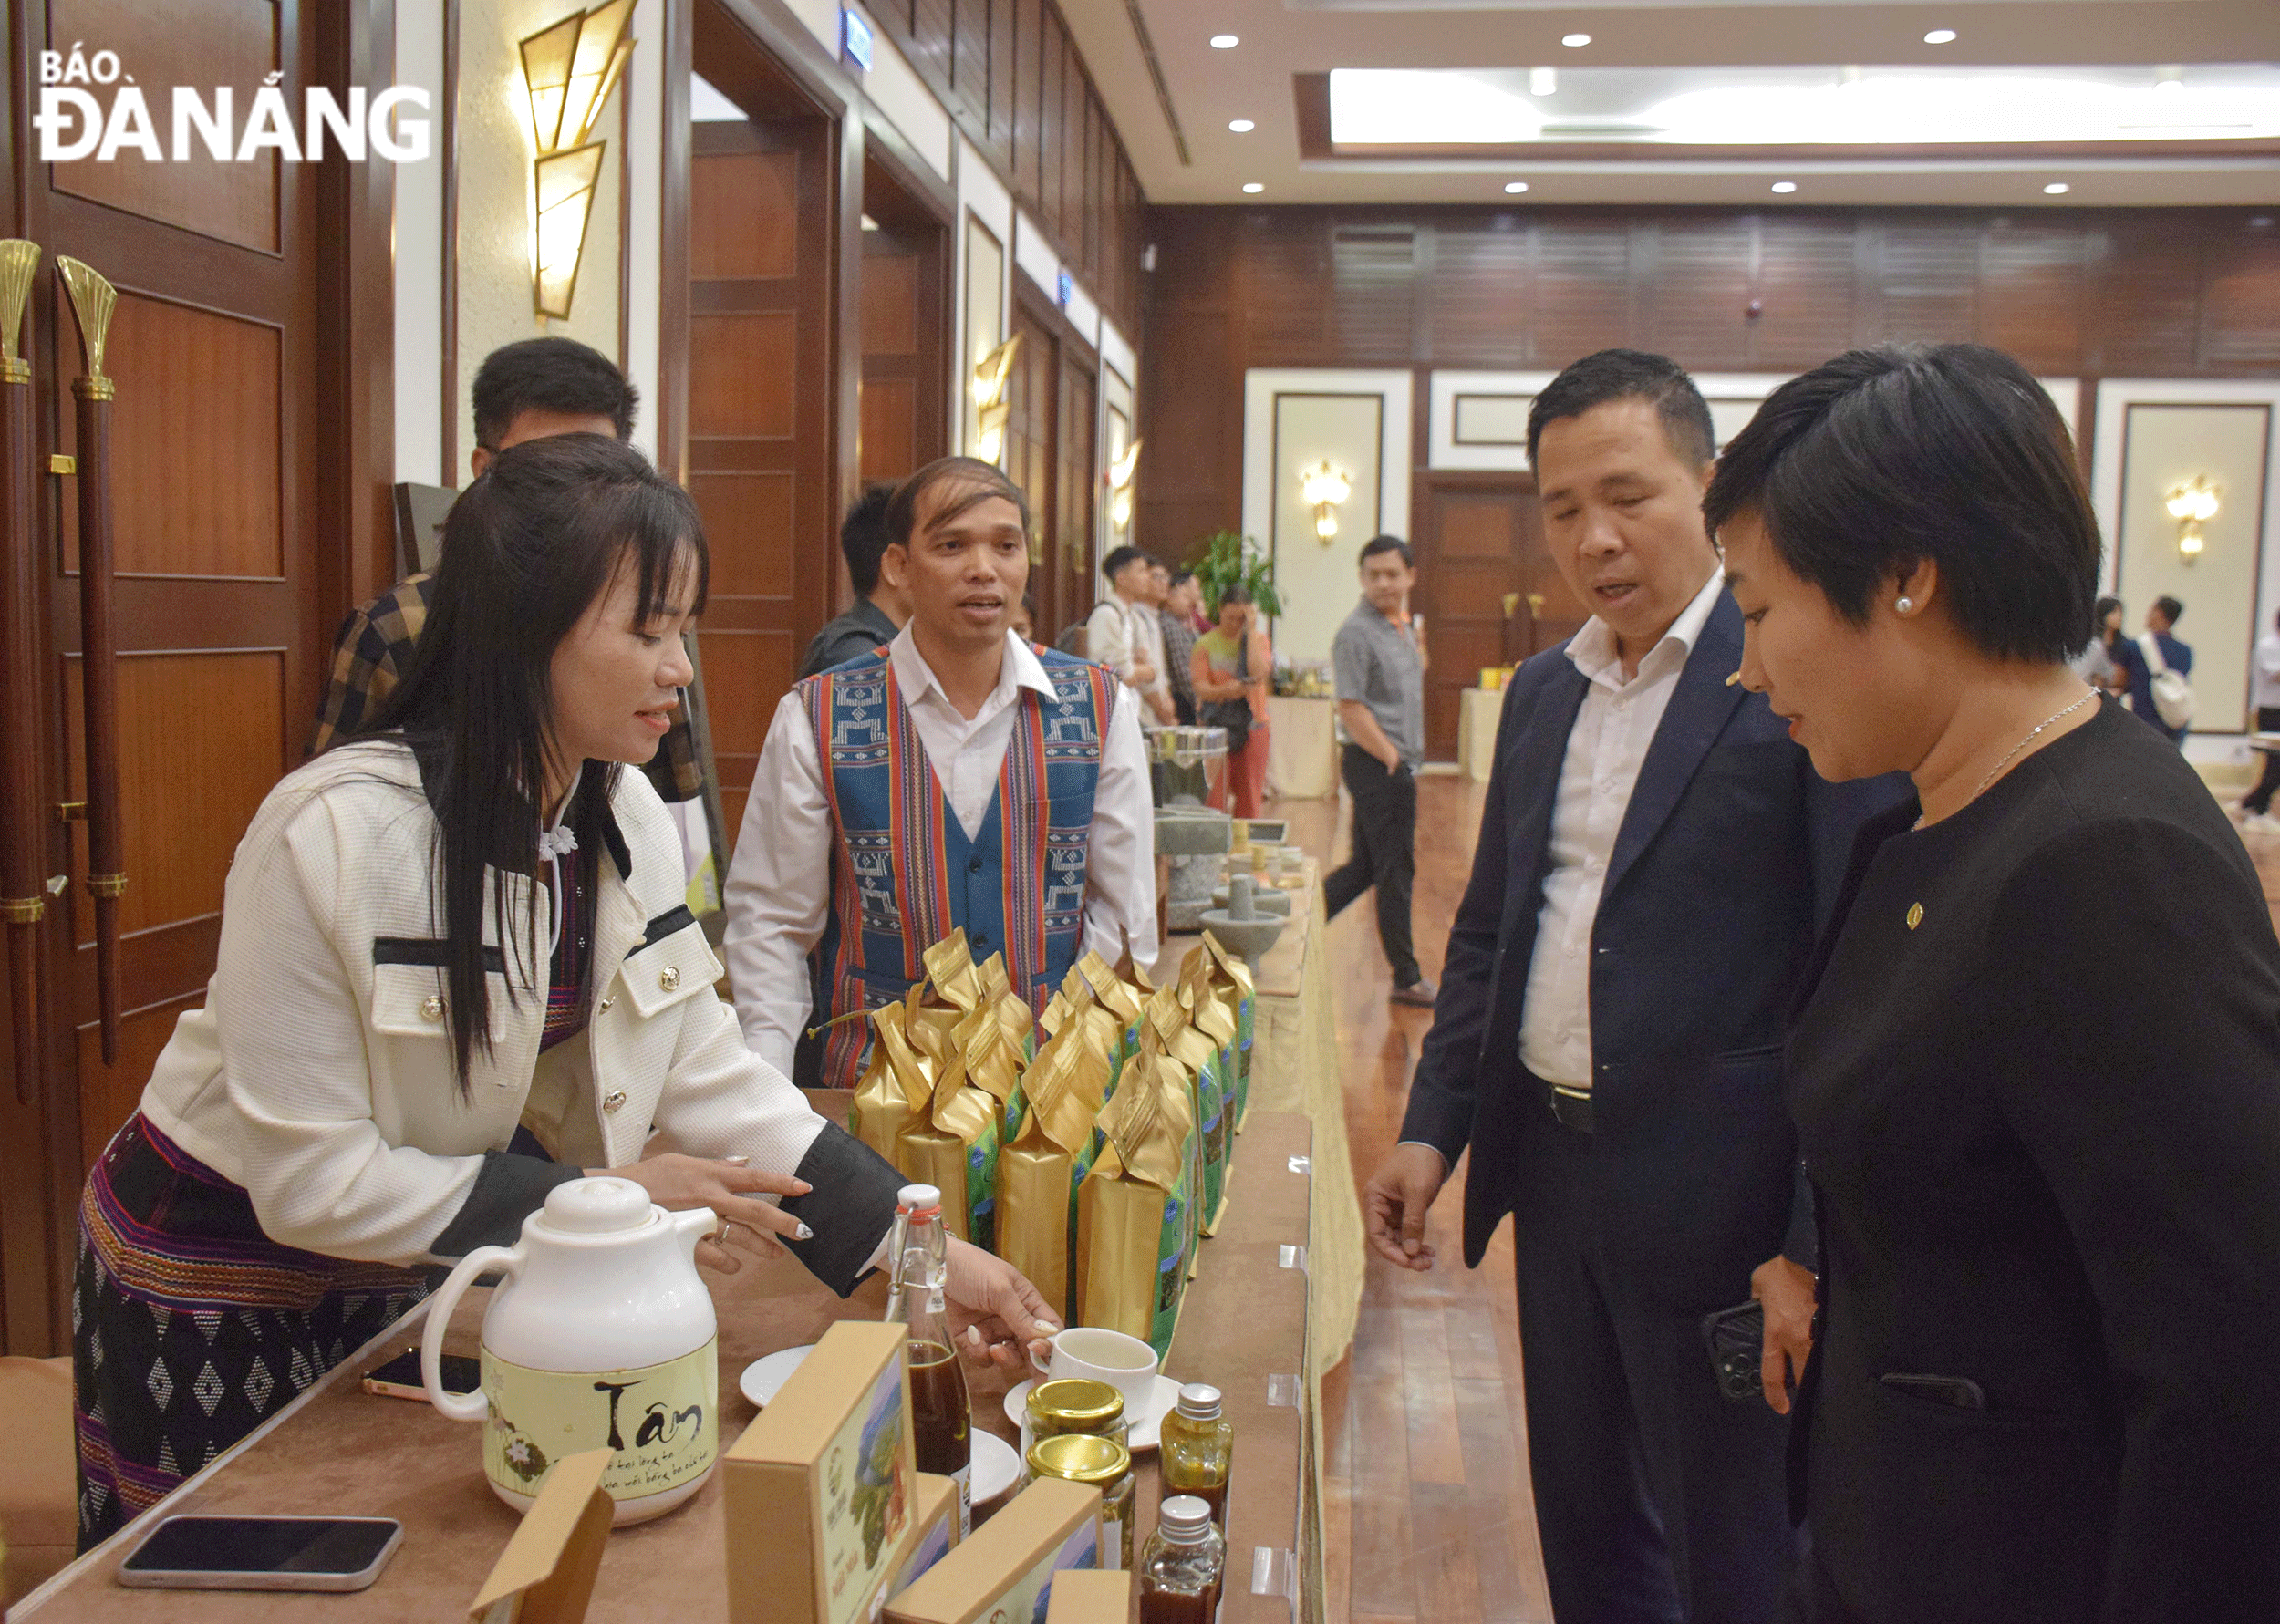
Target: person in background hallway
(1653, 854)
(2035, 1065)
(1182, 594)
(523, 391)
(2138, 656)
(1024, 624)
(880, 607)
(1378, 664)
(2265, 675)
(2095, 665)
(1230, 669)
(1123, 635)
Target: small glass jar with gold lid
(1056, 1409)
(1106, 1464)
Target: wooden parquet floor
(1429, 1518)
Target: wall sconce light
(1324, 486)
(993, 410)
(2192, 504)
(1120, 477)
(568, 72)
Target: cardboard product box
(821, 1493)
(933, 1531)
(1104, 1596)
(1004, 1572)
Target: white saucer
(764, 1377)
(1144, 1428)
(996, 1466)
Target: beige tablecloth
(1301, 747)
(1477, 731)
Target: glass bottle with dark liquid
(1181, 1570)
(941, 1419)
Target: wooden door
(905, 329)
(762, 251)
(1487, 587)
(1069, 560)
(221, 632)
(1033, 433)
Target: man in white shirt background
(2264, 675)
(1124, 634)
(959, 778)
(1653, 854)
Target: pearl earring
(1906, 607)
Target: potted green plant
(1228, 559)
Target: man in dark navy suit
(1653, 850)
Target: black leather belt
(1573, 1107)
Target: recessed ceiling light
(1223, 42)
(2056, 188)
(1242, 126)
(2167, 87)
(1254, 186)
(1940, 37)
(1575, 40)
(1543, 81)
(1785, 187)
(1515, 187)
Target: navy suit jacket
(1729, 856)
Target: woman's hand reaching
(731, 1188)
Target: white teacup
(1090, 1353)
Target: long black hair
(526, 550)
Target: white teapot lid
(597, 1207)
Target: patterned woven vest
(905, 873)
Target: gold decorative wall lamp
(1324, 486)
(1121, 473)
(992, 411)
(2192, 504)
(568, 71)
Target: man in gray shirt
(1378, 660)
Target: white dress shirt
(1608, 745)
(779, 886)
(1122, 635)
(2267, 671)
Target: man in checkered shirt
(529, 391)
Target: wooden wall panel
(730, 356)
(204, 47)
(198, 393)
(1016, 86)
(744, 214)
(2073, 293)
(748, 520)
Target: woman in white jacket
(456, 970)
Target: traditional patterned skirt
(190, 1326)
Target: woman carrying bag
(1229, 670)
(461, 930)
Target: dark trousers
(1384, 854)
(2260, 798)
(1656, 1498)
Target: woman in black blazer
(2036, 1068)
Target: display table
(1478, 710)
(338, 1449)
(1294, 1068)
(1301, 747)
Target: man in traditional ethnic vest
(958, 777)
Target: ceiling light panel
(1223, 42)
(1242, 126)
(1714, 107)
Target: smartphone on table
(262, 1553)
(399, 1378)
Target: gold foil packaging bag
(1134, 1211)
(1036, 1171)
(1211, 1036)
(1232, 978)
(893, 1090)
(1013, 1014)
(951, 1137)
(1118, 997)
